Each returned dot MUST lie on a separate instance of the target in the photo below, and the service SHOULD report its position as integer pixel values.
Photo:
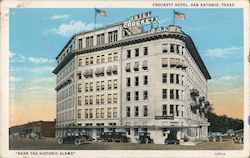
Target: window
(164, 110)
(145, 110)
(164, 62)
(136, 95)
(177, 49)
(109, 112)
(79, 87)
(86, 113)
(79, 113)
(113, 36)
(79, 76)
(80, 43)
(98, 59)
(128, 53)
(91, 86)
(90, 113)
(103, 58)
(110, 57)
(177, 94)
(145, 95)
(172, 48)
(115, 84)
(177, 79)
(164, 93)
(98, 99)
(97, 113)
(115, 112)
(172, 62)
(97, 85)
(109, 98)
(145, 80)
(171, 109)
(89, 41)
(115, 98)
(128, 96)
(177, 110)
(86, 100)
(171, 78)
(164, 78)
(86, 87)
(102, 99)
(115, 56)
(114, 69)
(91, 60)
(102, 112)
(79, 100)
(87, 61)
(128, 131)
(128, 81)
(145, 50)
(136, 66)
(165, 48)
(136, 81)
(128, 67)
(128, 111)
(171, 94)
(109, 84)
(102, 85)
(136, 111)
(91, 100)
(80, 62)
(136, 52)
(100, 39)
(136, 132)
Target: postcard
(124, 79)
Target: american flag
(100, 12)
(179, 15)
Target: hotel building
(124, 77)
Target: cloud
(68, 29)
(227, 79)
(57, 17)
(222, 52)
(11, 54)
(44, 80)
(15, 79)
(164, 21)
(41, 69)
(39, 60)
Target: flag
(100, 12)
(179, 15)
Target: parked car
(215, 136)
(239, 138)
(75, 138)
(35, 136)
(144, 138)
(171, 139)
(114, 137)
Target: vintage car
(239, 138)
(114, 137)
(214, 136)
(75, 138)
(144, 138)
(171, 139)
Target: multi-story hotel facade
(125, 78)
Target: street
(51, 144)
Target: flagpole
(173, 17)
(95, 20)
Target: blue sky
(38, 35)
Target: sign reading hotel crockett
(139, 20)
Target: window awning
(193, 105)
(90, 72)
(136, 65)
(86, 72)
(178, 63)
(172, 61)
(145, 64)
(102, 70)
(97, 71)
(165, 61)
(114, 69)
(109, 69)
(128, 66)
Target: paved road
(51, 144)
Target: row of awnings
(101, 71)
(63, 83)
(136, 66)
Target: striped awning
(86, 72)
(97, 71)
(172, 61)
(114, 69)
(109, 69)
(145, 64)
(128, 67)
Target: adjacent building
(132, 76)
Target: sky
(38, 35)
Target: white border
(4, 78)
